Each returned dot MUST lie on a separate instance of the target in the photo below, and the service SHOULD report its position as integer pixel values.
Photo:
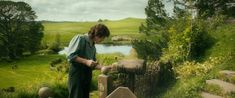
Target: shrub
(148, 49)
(187, 41)
(192, 68)
(55, 46)
(45, 52)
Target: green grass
(34, 72)
(127, 27)
(183, 88)
(29, 69)
(213, 89)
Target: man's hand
(91, 63)
(105, 69)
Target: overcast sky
(87, 10)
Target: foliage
(18, 31)
(55, 46)
(214, 22)
(60, 89)
(156, 18)
(100, 20)
(206, 8)
(155, 26)
(192, 68)
(187, 41)
(186, 38)
(185, 88)
(60, 65)
(45, 52)
(108, 59)
(148, 49)
(190, 85)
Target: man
(82, 59)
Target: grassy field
(34, 72)
(125, 27)
(28, 69)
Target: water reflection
(102, 49)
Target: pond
(103, 49)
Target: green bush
(55, 46)
(148, 49)
(108, 59)
(187, 41)
(192, 68)
(45, 52)
(60, 90)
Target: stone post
(122, 92)
(104, 85)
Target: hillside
(67, 30)
(192, 87)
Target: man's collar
(91, 42)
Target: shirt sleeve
(74, 48)
(95, 56)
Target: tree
(100, 20)
(155, 29)
(207, 8)
(55, 46)
(19, 30)
(156, 17)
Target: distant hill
(67, 29)
(124, 19)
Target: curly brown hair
(99, 30)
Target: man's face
(98, 39)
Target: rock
(120, 38)
(227, 87)
(9, 89)
(105, 70)
(227, 73)
(208, 95)
(131, 66)
(122, 92)
(45, 92)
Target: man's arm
(89, 63)
(98, 67)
